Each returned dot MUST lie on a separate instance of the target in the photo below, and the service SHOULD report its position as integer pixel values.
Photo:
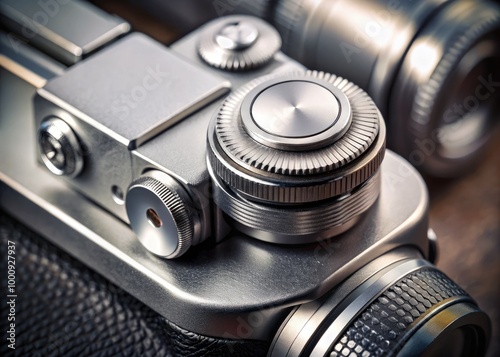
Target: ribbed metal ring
(160, 216)
(428, 94)
(296, 225)
(280, 176)
(255, 55)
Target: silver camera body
(101, 139)
(127, 129)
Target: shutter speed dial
(302, 150)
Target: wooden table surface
(465, 214)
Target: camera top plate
(214, 287)
(137, 101)
(67, 30)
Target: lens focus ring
(380, 328)
(408, 308)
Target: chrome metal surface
(303, 109)
(282, 176)
(188, 166)
(214, 289)
(237, 36)
(365, 46)
(448, 89)
(67, 30)
(140, 75)
(296, 114)
(431, 66)
(352, 319)
(59, 148)
(136, 104)
(238, 43)
(301, 324)
(458, 330)
(162, 215)
(363, 295)
(296, 224)
(26, 62)
(245, 166)
(297, 331)
(367, 41)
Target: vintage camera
(430, 66)
(294, 236)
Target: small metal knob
(59, 148)
(238, 43)
(161, 214)
(237, 35)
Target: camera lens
(407, 308)
(301, 150)
(448, 88)
(430, 66)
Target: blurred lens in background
(432, 66)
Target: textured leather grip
(65, 309)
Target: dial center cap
(295, 109)
(296, 115)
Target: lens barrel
(408, 308)
(431, 66)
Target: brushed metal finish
(248, 146)
(304, 109)
(238, 43)
(136, 104)
(421, 61)
(188, 167)
(26, 62)
(67, 30)
(216, 289)
(296, 224)
(138, 101)
(265, 174)
(366, 47)
(296, 114)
